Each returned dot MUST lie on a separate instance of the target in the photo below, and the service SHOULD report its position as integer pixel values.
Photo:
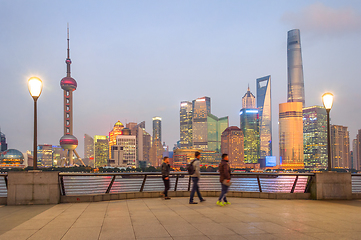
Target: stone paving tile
(263, 236)
(111, 233)
(210, 229)
(82, 233)
(17, 234)
(49, 233)
(243, 228)
(328, 236)
(203, 237)
(227, 237)
(178, 230)
(294, 236)
(150, 230)
(88, 222)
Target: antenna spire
(68, 61)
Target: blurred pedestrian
(195, 178)
(165, 177)
(225, 179)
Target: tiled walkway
(155, 218)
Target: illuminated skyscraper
(215, 127)
(88, 150)
(45, 155)
(315, 138)
(117, 130)
(340, 147)
(296, 92)
(186, 124)
(201, 108)
(248, 100)
(355, 161)
(128, 145)
(264, 106)
(101, 151)
(249, 121)
(3, 144)
(232, 144)
(157, 129)
(291, 135)
(68, 142)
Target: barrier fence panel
(356, 183)
(3, 186)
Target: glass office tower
(296, 92)
(315, 138)
(215, 128)
(201, 108)
(185, 114)
(291, 135)
(249, 118)
(340, 147)
(232, 144)
(101, 150)
(3, 144)
(157, 129)
(264, 106)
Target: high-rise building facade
(296, 91)
(355, 161)
(157, 129)
(101, 150)
(291, 135)
(201, 108)
(58, 155)
(117, 130)
(264, 106)
(358, 144)
(3, 144)
(156, 153)
(232, 144)
(248, 100)
(88, 147)
(249, 122)
(315, 138)
(215, 127)
(128, 144)
(340, 147)
(45, 155)
(185, 114)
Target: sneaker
(219, 203)
(167, 198)
(226, 203)
(203, 200)
(193, 203)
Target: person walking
(165, 177)
(195, 178)
(225, 179)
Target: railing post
(309, 182)
(110, 184)
(294, 184)
(62, 185)
(189, 184)
(6, 181)
(143, 183)
(176, 183)
(259, 184)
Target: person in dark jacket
(165, 176)
(224, 178)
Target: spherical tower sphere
(118, 124)
(126, 131)
(69, 142)
(11, 156)
(68, 84)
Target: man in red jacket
(225, 178)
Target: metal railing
(3, 184)
(356, 183)
(100, 183)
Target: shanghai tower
(296, 92)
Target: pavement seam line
(105, 213)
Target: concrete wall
(331, 186)
(33, 187)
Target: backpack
(190, 168)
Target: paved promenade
(155, 218)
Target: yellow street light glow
(157, 118)
(35, 86)
(327, 100)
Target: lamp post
(35, 86)
(327, 100)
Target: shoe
(219, 203)
(193, 203)
(203, 200)
(167, 198)
(162, 195)
(226, 203)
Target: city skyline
(202, 51)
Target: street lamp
(327, 100)
(35, 86)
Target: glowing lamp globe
(327, 100)
(68, 84)
(35, 86)
(68, 142)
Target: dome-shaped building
(117, 130)
(11, 158)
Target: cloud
(323, 20)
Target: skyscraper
(3, 144)
(232, 144)
(358, 143)
(117, 130)
(45, 155)
(315, 138)
(355, 160)
(249, 122)
(248, 100)
(296, 91)
(264, 106)
(88, 150)
(201, 108)
(340, 147)
(185, 114)
(68, 142)
(101, 151)
(215, 127)
(128, 144)
(291, 135)
(157, 129)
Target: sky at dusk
(134, 60)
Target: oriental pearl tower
(68, 142)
